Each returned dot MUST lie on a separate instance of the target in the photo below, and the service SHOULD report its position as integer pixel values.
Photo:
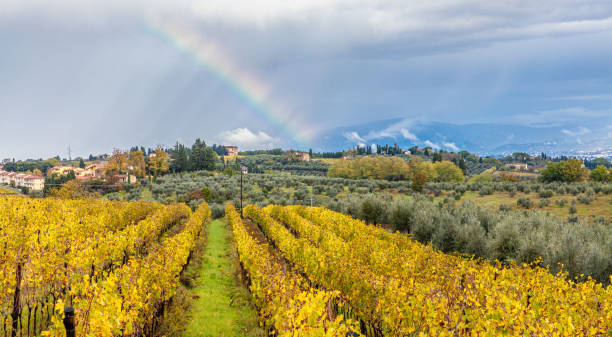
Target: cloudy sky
(101, 74)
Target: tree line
(396, 168)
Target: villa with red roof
(34, 183)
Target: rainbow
(246, 85)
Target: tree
(573, 171)
(552, 172)
(207, 194)
(600, 174)
(72, 190)
(416, 164)
(491, 160)
(118, 161)
(56, 181)
(81, 163)
(137, 164)
(448, 172)
(567, 171)
(436, 157)
(180, 161)
(461, 164)
(158, 162)
(418, 181)
(54, 161)
(202, 157)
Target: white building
(34, 183)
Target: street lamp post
(243, 170)
(241, 190)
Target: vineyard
(115, 263)
(115, 267)
(314, 269)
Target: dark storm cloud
(96, 76)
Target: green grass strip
(221, 305)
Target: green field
(330, 161)
(599, 207)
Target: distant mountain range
(482, 138)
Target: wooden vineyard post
(69, 321)
(16, 301)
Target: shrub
(505, 208)
(573, 190)
(524, 202)
(486, 190)
(561, 202)
(573, 210)
(505, 242)
(217, 211)
(372, 210)
(586, 198)
(471, 239)
(301, 193)
(332, 191)
(543, 203)
(400, 214)
(546, 193)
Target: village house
(91, 172)
(32, 182)
(303, 156)
(4, 180)
(12, 178)
(232, 151)
(61, 170)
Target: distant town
(115, 169)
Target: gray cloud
(580, 132)
(96, 75)
(354, 137)
(247, 139)
(431, 144)
(563, 115)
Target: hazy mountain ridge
(484, 138)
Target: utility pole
(241, 190)
(69, 153)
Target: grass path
(222, 305)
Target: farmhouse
(122, 178)
(232, 151)
(518, 166)
(303, 156)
